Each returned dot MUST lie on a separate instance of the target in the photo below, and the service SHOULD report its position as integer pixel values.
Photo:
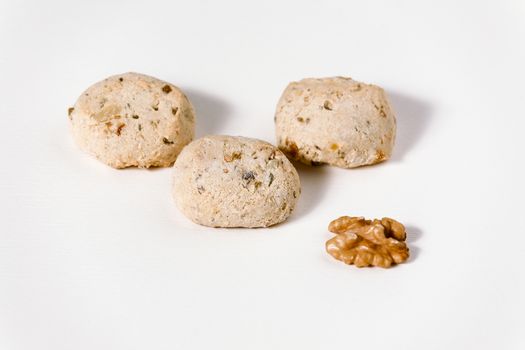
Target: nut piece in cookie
(368, 242)
(336, 121)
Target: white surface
(94, 258)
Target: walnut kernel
(368, 242)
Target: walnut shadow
(413, 234)
(211, 112)
(313, 189)
(413, 117)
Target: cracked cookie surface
(133, 120)
(336, 121)
(232, 181)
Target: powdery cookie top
(338, 121)
(133, 120)
(228, 181)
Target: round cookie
(229, 181)
(337, 121)
(133, 120)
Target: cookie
(133, 120)
(229, 181)
(337, 121)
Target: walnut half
(367, 242)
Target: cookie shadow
(413, 119)
(211, 112)
(413, 235)
(313, 188)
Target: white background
(95, 258)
